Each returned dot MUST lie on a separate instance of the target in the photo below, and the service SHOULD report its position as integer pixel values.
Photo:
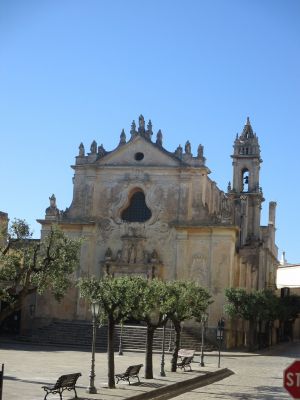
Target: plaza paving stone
(256, 376)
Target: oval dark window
(139, 156)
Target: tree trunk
(252, 335)
(110, 352)
(177, 328)
(149, 349)
(17, 305)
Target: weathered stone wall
(195, 232)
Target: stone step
(79, 334)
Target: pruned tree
(185, 300)
(153, 311)
(28, 266)
(118, 298)
(256, 307)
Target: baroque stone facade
(144, 210)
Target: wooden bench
(131, 372)
(185, 363)
(64, 382)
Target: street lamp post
(162, 364)
(95, 313)
(204, 318)
(220, 337)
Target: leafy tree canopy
(186, 300)
(259, 305)
(118, 297)
(28, 265)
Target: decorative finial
(81, 150)
(247, 131)
(159, 138)
(149, 131)
(122, 137)
(94, 147)
(187, 148)
(133, 131)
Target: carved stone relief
(153, 199)
(200, 270)
(220, 275)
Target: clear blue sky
(79, 70)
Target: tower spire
(245, 184)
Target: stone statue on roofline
(178, 152)
(141, 124)
(101, 151)
(81, 150)
(52, 210)
(187, 148)
(200, 154)
(94, 147)
(159, 138)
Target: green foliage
(28, 265)
(185, 300)
(152, 303)
(118, 297)
(258, 305)
(289, 307)
(20, 230)
(177, 300)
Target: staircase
(79, 334)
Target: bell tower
(246, 192)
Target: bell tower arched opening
(245, 180)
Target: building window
(138, 156)
(137, 211)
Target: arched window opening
(245, 180)
(137, 211)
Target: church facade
(147, 211)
